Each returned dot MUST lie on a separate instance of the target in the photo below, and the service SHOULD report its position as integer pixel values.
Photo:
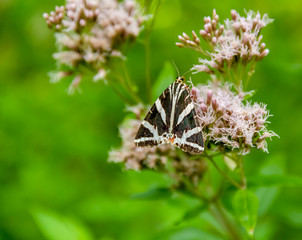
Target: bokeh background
(55, 181)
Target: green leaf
(245, 204)
(154, 194)
(192, 234)
(164, 79)
(56, 227)
(273, 180)
(267, 197)
(192, 213)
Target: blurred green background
(55, 181)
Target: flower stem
(129, 85)
(236, 184)
(220, 215)
(147, 67)
(118, 93)
(216, 210)
(242, 174)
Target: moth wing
(156, 123)
(188, 133)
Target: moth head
(180, 79)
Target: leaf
(273, 180)
(245, 204)
(266, 196)
(164, 79)
(154, 194)
(192, 213)
(56, 227)
(192, 234)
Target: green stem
(242, 174)
(122, 81)
(249, 73)
(147, 67)
(129, 85)
(122, 97)
(237, 185)
(194, 191)
(220, 215)
(216, 209)
(147, 53)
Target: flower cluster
(159, 158)
(238, 40)
(90, 32)
(229, 122)
(138, 157)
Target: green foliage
(55, 227)
(246, 205)
(154, 194)
(192, 213)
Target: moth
(172, 119)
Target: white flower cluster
(90, 32)
(134, 157)
(236, 41)
(228, 121)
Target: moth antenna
(176, 68)
(187, 72)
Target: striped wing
(186, 128)
(155, 126)
(172, 119)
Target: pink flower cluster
(236, 41)
(90, 32)
(137, 157)
(228, 121)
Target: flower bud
(214, 40)
(209, 97)
(194, 93)
(194, 35)
(186, 36)
(181, 39)
(82, 22)
(214, 24)
(234, 14)
(179, 45)
(206, 20)
(208, 27)
(237, 27)
(203, 107)
(262, 47)
(203, 33)
(220, 30)
(264, 53)
(45, 16)
(191, 43)
(214, 104)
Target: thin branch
(236, 184)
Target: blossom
(230, 121)
(90, 32)
(236, 41)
